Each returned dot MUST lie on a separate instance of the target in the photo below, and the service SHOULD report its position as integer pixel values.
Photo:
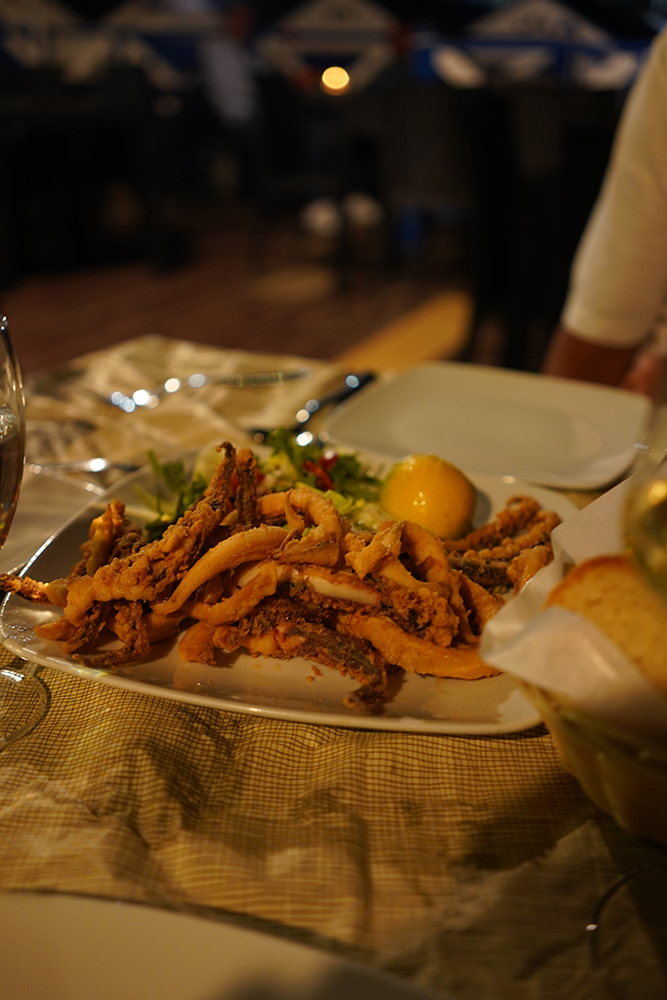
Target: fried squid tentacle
(241, 602)
(88, 630)
(412, 653)
(247, 546)
(107, 532)
(510, 549)
(153, 569)
(322, 543)
(129, 626)
(350, 655)
(109, 535)
(32, 590)
(516, 516)
(246, 494)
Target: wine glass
(638, 899)
(646, 506)
(23, 698)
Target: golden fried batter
(496, 555)
(283, 575)
(416, 655)
(32, 590)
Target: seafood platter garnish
(277, 566)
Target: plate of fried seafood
(271, 604)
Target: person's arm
(572, 357)
(618, 279)
(646, 374)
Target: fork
(150, 398)
(86, 465)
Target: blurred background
(294, 177)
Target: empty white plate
(551, 431)
(59, 947)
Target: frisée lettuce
(339, 476)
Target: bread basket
(607, 719)
(621, 774)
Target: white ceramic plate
(550, 431)
(59, 947)
(285, 689)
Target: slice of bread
(609, 591)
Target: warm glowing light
(657, 492)
(335, 80)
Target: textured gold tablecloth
(471, 866)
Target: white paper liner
(565, 654)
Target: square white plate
(551, 431)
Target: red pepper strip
(322, 478)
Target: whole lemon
(432, 492)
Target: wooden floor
(269, 290)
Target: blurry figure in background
(613, 327)
(230, 72)
(229, 77)
(339, 150)
(275, 131)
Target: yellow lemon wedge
(431, 492)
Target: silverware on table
(87, 465)
(352, 383)
(63, 471)
(150, 398)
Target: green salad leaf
(340, 477)
(323, 469)
(184, 491)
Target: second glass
(23, 699)
(646, 510)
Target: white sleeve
(618, 282)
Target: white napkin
(564, 653)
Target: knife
(352, 383)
